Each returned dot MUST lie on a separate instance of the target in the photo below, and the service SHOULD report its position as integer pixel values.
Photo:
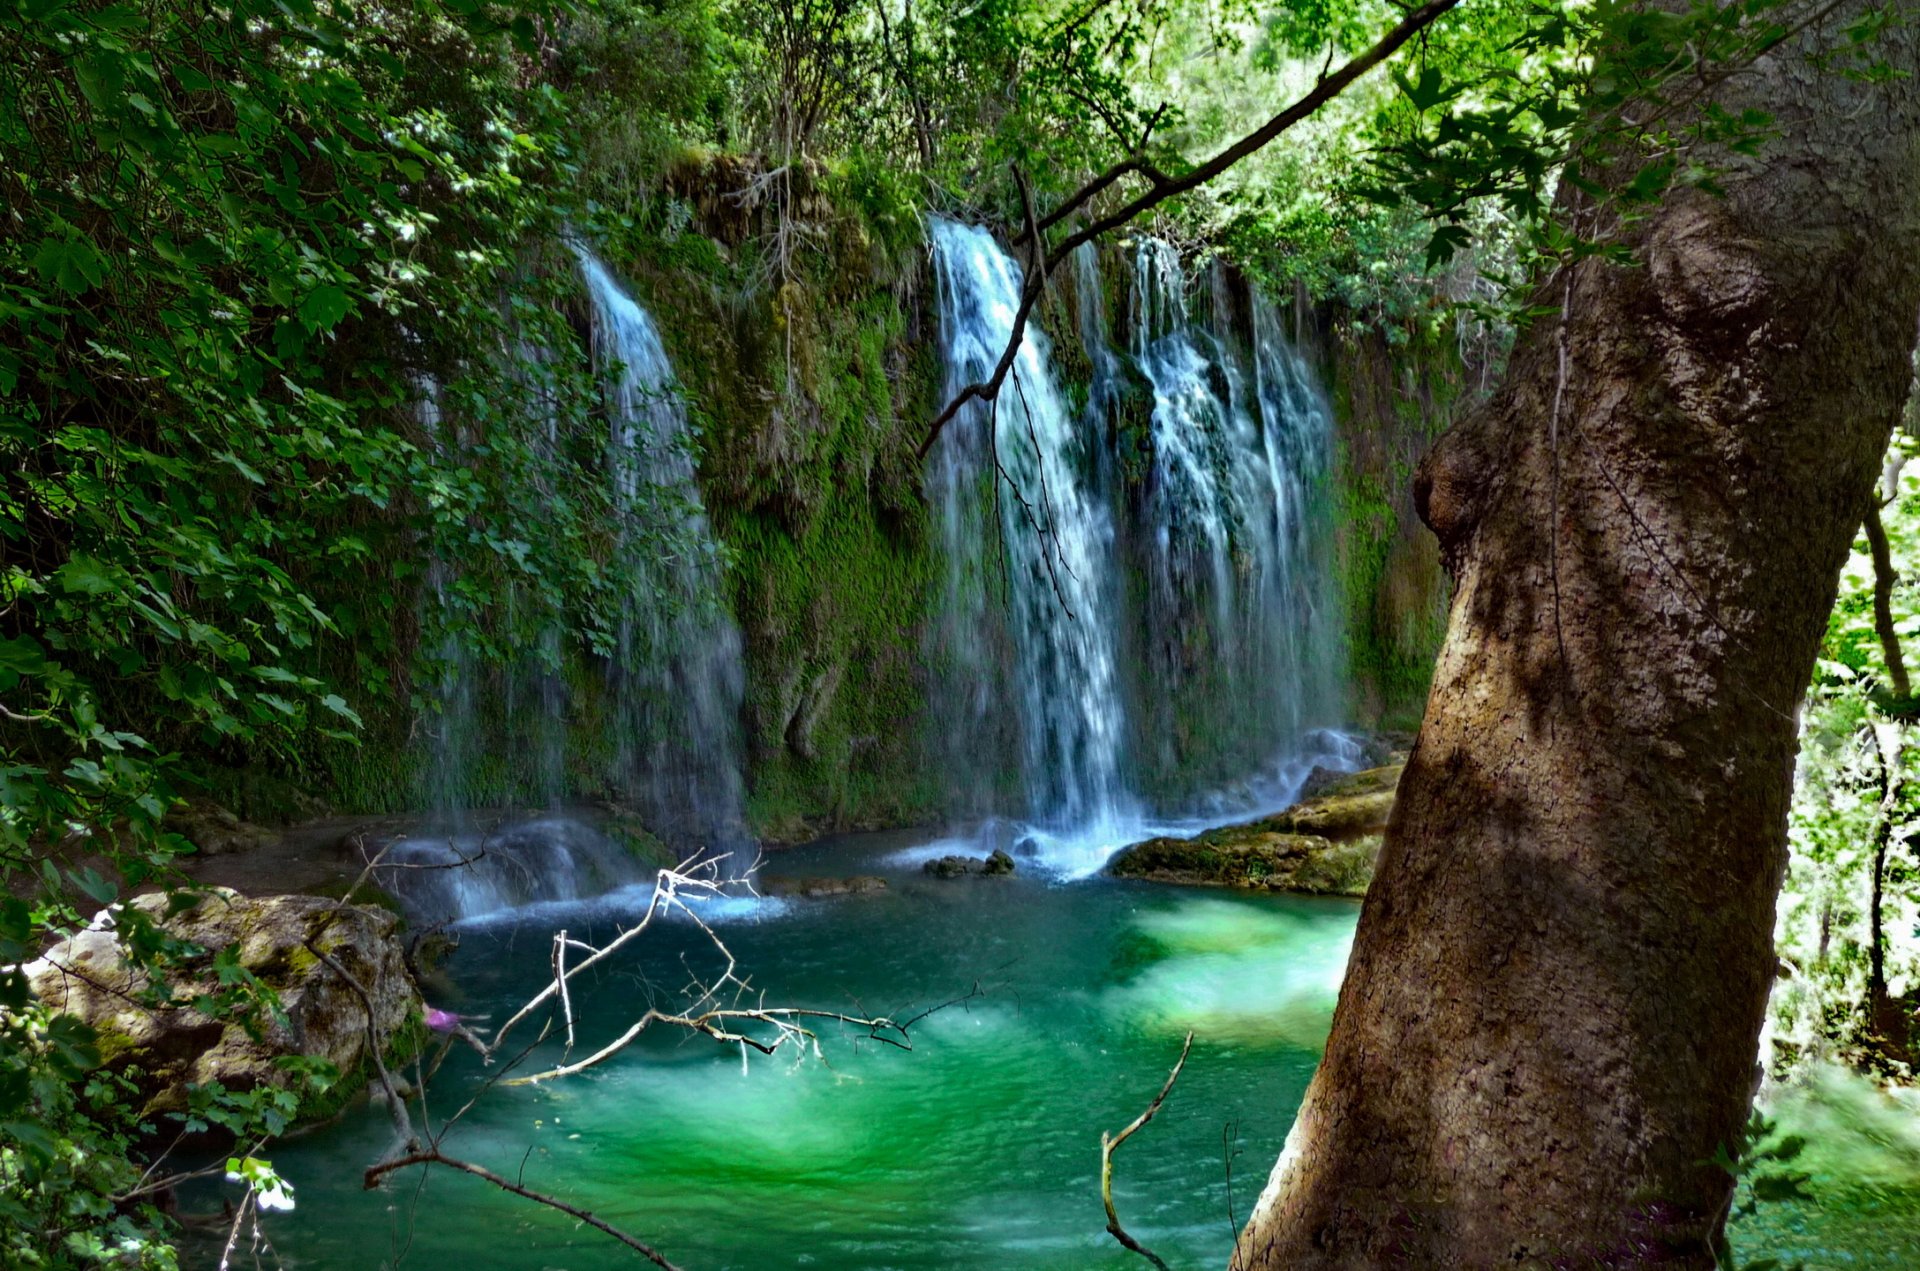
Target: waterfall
(1160, 623)
(497, 730)
(1243, 640)
(451, 730)
(1011, 485)
(674, 677)
(677, 674)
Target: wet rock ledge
(1325, 844)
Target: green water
(977, 1149)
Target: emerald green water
(979, 1148)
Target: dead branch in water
(434, 1156)
(1108, 1144)
(716, 1007)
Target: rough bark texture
(1552, 1009)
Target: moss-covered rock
(1325, 845)
(151, 1028)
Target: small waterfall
(677, 674)
(1242, 637)
(455, 873)
(500, 705)
(451, 728)
(674, 672)
(1011, 484)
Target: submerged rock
(999, 863)
(821, 888)
(150, 1030)
(215, 830)
(1325, 844)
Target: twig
(396, 1105)
(434, 1156)
(560, 943)
(233, 1233)
(1108, 1143)
(1229, 1151)
(1324, 91)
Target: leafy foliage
(1852, 897)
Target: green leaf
(242, 467)
(1446, 240)
(86, 576)
(324, 306)
(71, 264)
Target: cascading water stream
(1232, 628)
(674, 682)
(1238, 591)
(678, 674)
(1012, 476)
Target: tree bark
(1551, 1014)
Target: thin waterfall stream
(674, 681)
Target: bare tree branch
(1108, 1144)
(1162, 188)
(434, 1156)
(706, 1013)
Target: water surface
(979, 1148)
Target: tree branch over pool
(722, 1006)
(1162, 188)
(1110, 1143)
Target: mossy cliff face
(1393, 390)
(811, 382)
(799, 313)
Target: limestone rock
(215, 830)
(151, 1027)
(1325, 844)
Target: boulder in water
(1000, 863)
(1324, 845)
(150, 1030)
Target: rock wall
(293, 947)
(1394, 389)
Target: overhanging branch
(1162, 188)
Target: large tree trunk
(1551, 1014)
